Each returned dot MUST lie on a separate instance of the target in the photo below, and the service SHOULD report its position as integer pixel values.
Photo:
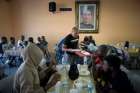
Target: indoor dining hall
(69, 46)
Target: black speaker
(52, 6)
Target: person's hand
(53, 80)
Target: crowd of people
(22, 43)
(88, 44)
(13, 45)
(107, 74)
(32, 77)
(105, 66)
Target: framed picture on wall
(87, 16)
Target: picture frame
(87, 16)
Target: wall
(32, 18)
(5, 19)
(119, 20)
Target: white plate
(84, 72)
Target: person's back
(117, 80)
(121, 83)
(26, 79)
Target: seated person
(38, 42)
(43, 45)
(1, 45)
(91, 40)
(26, 79)
(115, 80)
(98, 57)
(12, 43)
(100, 54)
(31, 40)
(44, 41)
(21, 42)
(5, 43)
(84, 44)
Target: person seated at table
(21, 42)
(101, 53)
(98, 57)
(38, 42)
(115, 80)
(26, 79)
(92, 45)
(31, 40)
(12, 43)
(70, 43)
(5, 44)
(44, 47)
(126, 45)
(25, 44)
(44, 41)
(91, 40)
(84, 44)
(1, 45)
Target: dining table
(13, 52)
(84, 78)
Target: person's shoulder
(68, 36)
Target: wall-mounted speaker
(52, 6)
(8, 0)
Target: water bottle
(90, 87)
(64, 59)
(85, 60)
(58, 87)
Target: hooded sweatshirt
(26, 79)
